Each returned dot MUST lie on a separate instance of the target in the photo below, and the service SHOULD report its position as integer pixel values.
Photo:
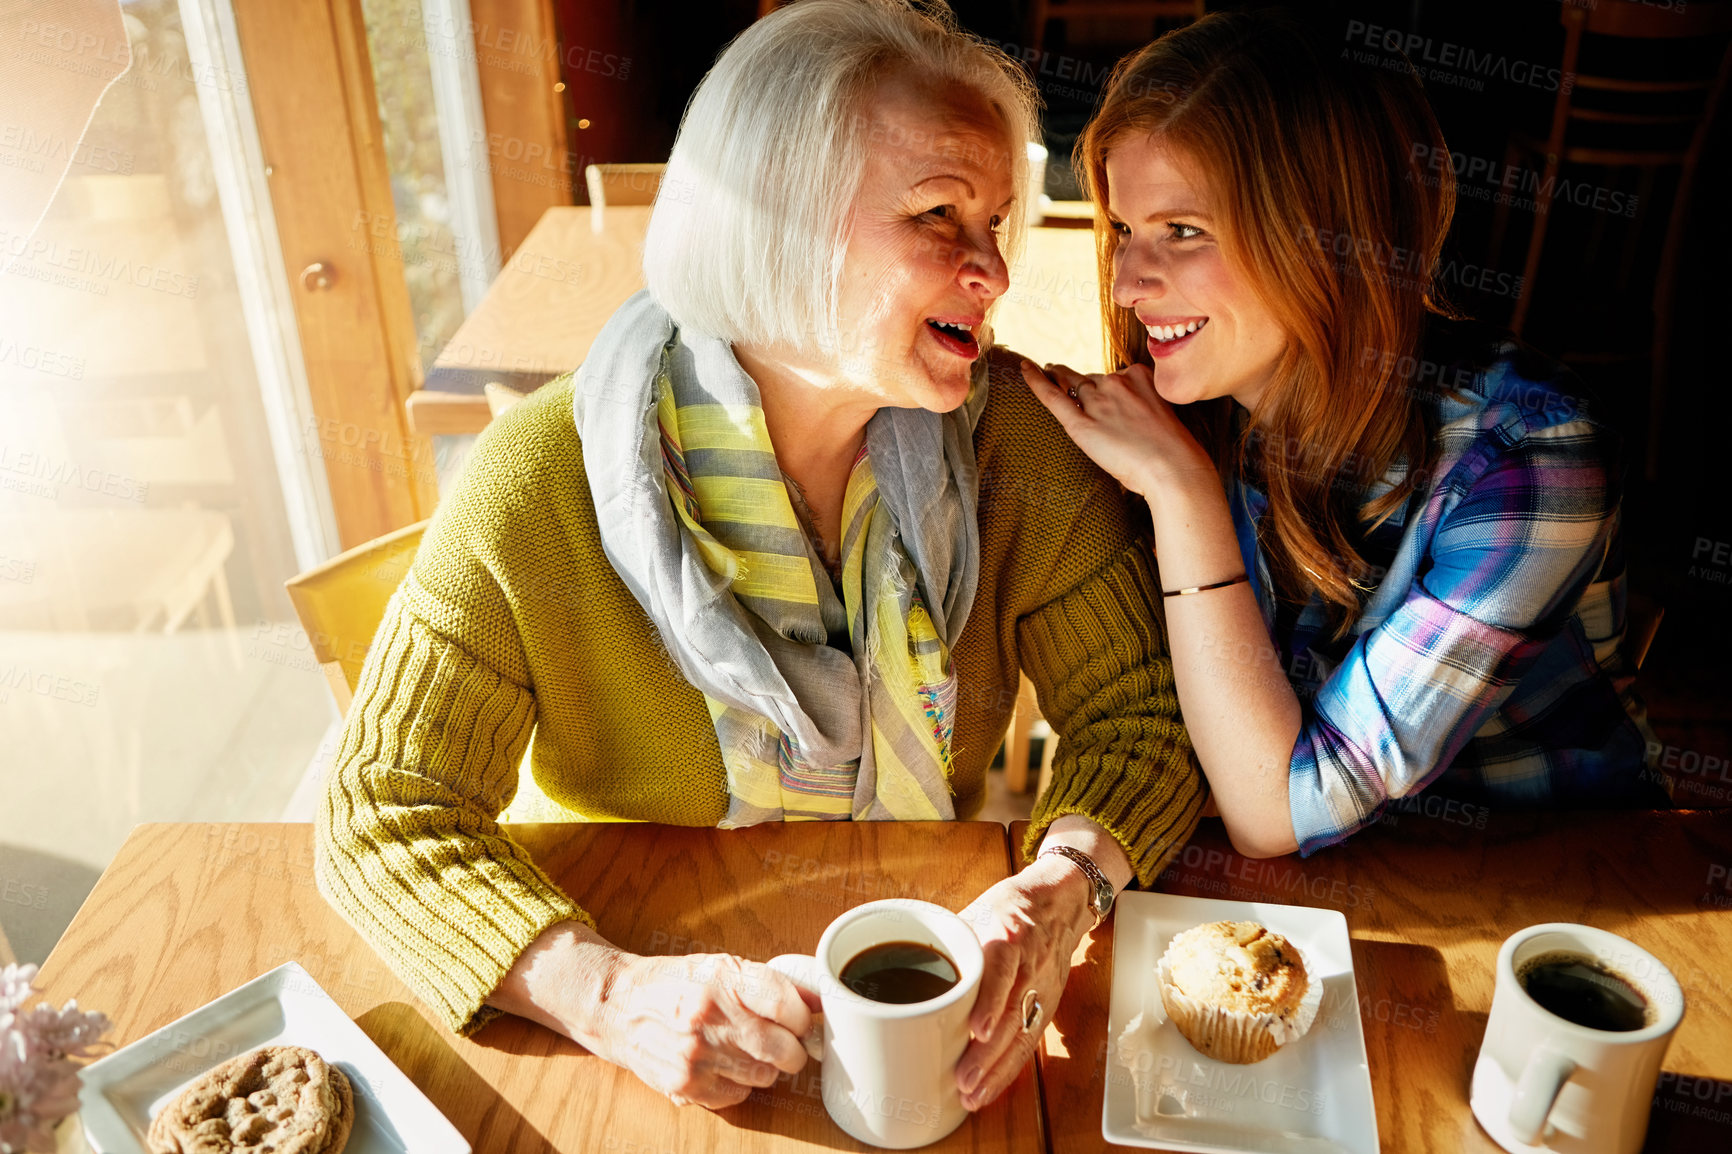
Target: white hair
(752, 221)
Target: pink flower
(38, 1078)
(14, 986)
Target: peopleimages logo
(1451, 63)
(1215, 1088)
(1513, 181)
(40, 257)
(20, 143)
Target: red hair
(1318, 170)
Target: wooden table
(187, 912)
(539, 317)
(1428, 902)
(580, 264)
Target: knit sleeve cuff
(409, 848)
(1100, 664)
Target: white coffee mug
(890, 1070)
(1544, 1083)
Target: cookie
(277, 1099)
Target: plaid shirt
(1487, 658)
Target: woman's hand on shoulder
(700, 1028)
(1123, 424)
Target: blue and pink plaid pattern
(1486, 659)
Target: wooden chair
(1023, 729)
(341, 603)
(1154, 11)
(1650, 119)
(622, 183)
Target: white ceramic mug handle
(1541, 1080)
(804, 971)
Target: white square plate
(1309, 1097)
(286, 1007)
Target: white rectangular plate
(1310, 1097)
(285, 1007)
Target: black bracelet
(1204, 588)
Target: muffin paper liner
(1235, 1035)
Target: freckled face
(1210, 333)
(923, 263)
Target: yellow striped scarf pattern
(730, 496)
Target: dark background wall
(1593, 296)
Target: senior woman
(776, 553)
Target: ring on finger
(1031, 1011)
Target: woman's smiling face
(1210, 334)
(923, 262)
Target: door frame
(300, 161)
(320, 150)
(448, 29)
(237, 161)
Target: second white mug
(1546, 1083)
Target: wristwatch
(1101, 900)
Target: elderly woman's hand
(702, 1028)
(1029, 925)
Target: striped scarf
(703, 530)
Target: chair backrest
(1640, 103)
(623, 183)
(1633, 19)
(341, 603)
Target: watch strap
(1102, 900)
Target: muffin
(1237, 991)
(284, 1099)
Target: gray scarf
(805, 729)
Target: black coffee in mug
(900, 973)
(1580, 989)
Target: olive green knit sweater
(511, 620)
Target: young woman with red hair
(1388, 537)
